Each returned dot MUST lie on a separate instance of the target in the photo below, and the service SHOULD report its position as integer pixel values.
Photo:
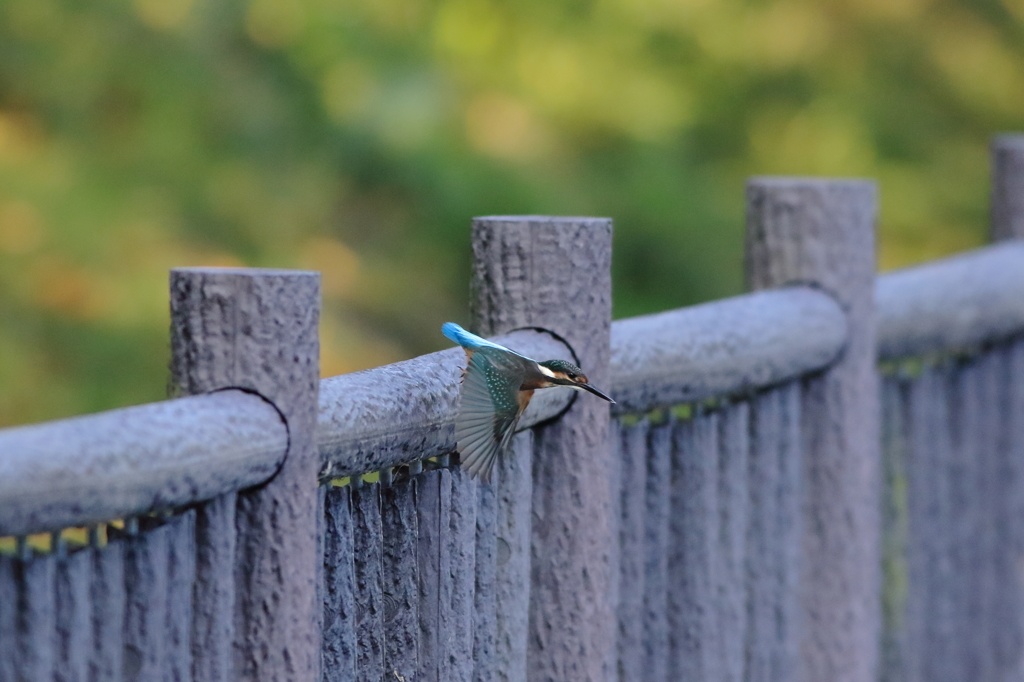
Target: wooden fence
(822, 479)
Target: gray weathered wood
(721, 348)
(733, 520)
(146, 558)
(896, 647)
(555, 274)
(512, 579)
(36, 652)
(462, 558)
(369, 595)
(74, 573)
(98, 467)
(693, 650)
(8, 618)
(257, 330)
(953, 303)
(394, 414)
(433, 506)
(657, 514)
(213, 621)
(773, 536)
(485, 600)
(339, 622)
(631, 449)
(821, 232)
(181, 584)
(400, 572)
(109, 602)
(952, 594)
(1007, 187)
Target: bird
(497, 385)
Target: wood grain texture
(213, 622)
(257, 330)
(1007, 154)
(369, 595)
(821, 232)
(109, 602)
(484, 598)
(74, 628)
(181, 584)
(554, 273)
(462, 557)
(146, 560)
(631, 450)
(400, 573)
(339, 590)
(773, 630)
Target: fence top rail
(134, 460)
(726, 347)
(131, 461)
(953, 303)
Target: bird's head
(564, 373)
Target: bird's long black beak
(591, 389)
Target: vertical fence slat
(733, 519)
(773, 546)
(1010, 623)
(367, 551)
(37, 619)
(213, 622)
(401, 578)
(512, 559)
(485, 598)
(339, 590)
(8, 618)
(146, 580)
(932, 517)
(74, 573)
(657, 511)
(555, 273)
(822, 232)
(897, 642)
(631, 446)
(181, 588)
(462, 553)
(109, 602)
(433, 504)
(257, 330)
(694, 510)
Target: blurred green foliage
(358, 137)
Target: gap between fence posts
(257, 612)
(1007, 204)
(558, 514)
(821, 232)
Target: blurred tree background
(359, 137)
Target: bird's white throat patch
(546, 372)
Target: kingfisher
(497, 385)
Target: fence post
(555, 274)
(1007, 203)
(821, 232)
(255, 330)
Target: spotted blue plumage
(490, 407)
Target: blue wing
(491, 407)
(472, 341)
